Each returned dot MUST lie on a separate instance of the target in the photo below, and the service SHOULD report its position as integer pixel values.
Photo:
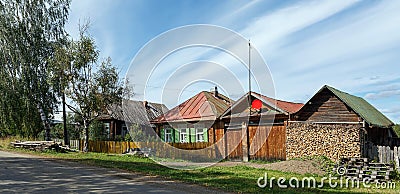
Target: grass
(242, 179)
(263, 161)
(322, 161)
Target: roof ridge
(278, 99)
(360, 110)
(222, 97)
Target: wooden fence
(73, 144)
(272, 146)
(161, 149)
(383, 154)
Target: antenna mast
(249, 80)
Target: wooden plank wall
(267, 142)
(326, 107)
(233, 143)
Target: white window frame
(168, 133)
(183, 133)
(201, 135)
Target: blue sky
(353, 46)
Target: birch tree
(28, 31)
(93, 87)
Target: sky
(353, 46)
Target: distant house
(194, 120)
(265, 134)
(120, 118)
(336, 124)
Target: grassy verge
(242, 179)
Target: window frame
(168, 131)
(201, 134)
(185, 135)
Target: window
(199, 135)
(124, 130)
(183, 135)
(107, 129)
(168, 135)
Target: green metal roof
(364, 109)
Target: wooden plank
(245, 148)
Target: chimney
(216, 91)
(145, 104)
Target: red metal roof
(289, 107)
(270, 106)
(203, 106)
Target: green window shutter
(187, 134)
(162, 133)
(176, 135)
(205, 135)
(193, 135)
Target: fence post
(396, 158)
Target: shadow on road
(22, 175)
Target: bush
(97, 132)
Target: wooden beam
(245, 143)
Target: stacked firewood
(334, 141)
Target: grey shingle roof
(138, 112)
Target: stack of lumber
(144, 152)
(40, 145)
(362, 168)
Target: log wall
(326, 107)
(333, 141)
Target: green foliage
(97, 132)
(73, 128)
(137, 134)
(128, 137)
(93, 88)
(29, 30)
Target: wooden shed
(336, 124)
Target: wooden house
(131, 114)
(194, 120)
(336, 124)
(257, 133)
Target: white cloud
(272, 27)
(383, 94)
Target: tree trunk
(45, 123)
(86, 140)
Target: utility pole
(245, 126)
(66, 142)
